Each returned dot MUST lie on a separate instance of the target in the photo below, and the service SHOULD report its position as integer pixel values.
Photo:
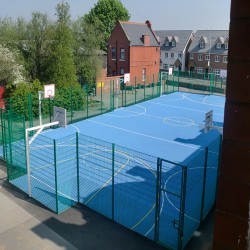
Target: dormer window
(173, 43)
(218, 45)
(166, 43)
(226, 45)
(202, 45)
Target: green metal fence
(193, 83)
(159, 199)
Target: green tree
(34, 45)
(87, 54)
(10, 70)
(106, 13)
(62, 68)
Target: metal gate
(170, 205)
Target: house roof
(180, 36)
(212, 36)
(135, 31)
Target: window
(166, 43)
(191, 56)
(114, 53)
(173, 43)
(122, 54)
(121, 71)
(225, 59)
(217, 71)
(199, 70)
(144, 74)
(180, 55)
(217, 58)
(207, 57)
(218, 45)
(166, 55)
(165, 66)
(200, 58)
(202, 45)
(172, 55)
(226, 45)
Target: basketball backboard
(59, 114)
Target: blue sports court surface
(168, 127)
(118, 173)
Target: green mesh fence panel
(211, 175)
(170, 192)
(96, 165)
(194, 194)
(42, 172)
(135, 190)
(14, 127)
(195, 83)
(2, 135)
(66, 172)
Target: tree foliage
(105, 14)
(87, 54)
(10, 70)
(62, 67)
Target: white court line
(136, 113)
(149, 136)
(209, 104)
(165, 186)
(173, 106)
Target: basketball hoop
(49, 91)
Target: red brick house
(208, 52)
(133, 48)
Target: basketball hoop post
(40, 106)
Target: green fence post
(182, 206)
(204, 185)
(55, 167)
(101, 98)
(114, 96)
(30, 110)
(153, 85)
(158, 198)
(71, 105)
(135, 90)
(218, 167)
(87, 101)
(113, 181)
(10, 134)
(77, 166)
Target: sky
(163, 14)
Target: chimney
(146, 40)
(149, 24)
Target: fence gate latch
(176, 224)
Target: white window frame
(200, 70)
(200, 57)
(180, 55)
(225, 59)
(144, 70)
(218, 45)
(191, 56)
(207, 57)
(226, 45)
(217, 71)
(166, 54)
(121, 71)
(202, 45)
(173, 43)
(165, 66)
(113, 52)
(166, 43)
(122, 54)
(172, 55)
(217, 58)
